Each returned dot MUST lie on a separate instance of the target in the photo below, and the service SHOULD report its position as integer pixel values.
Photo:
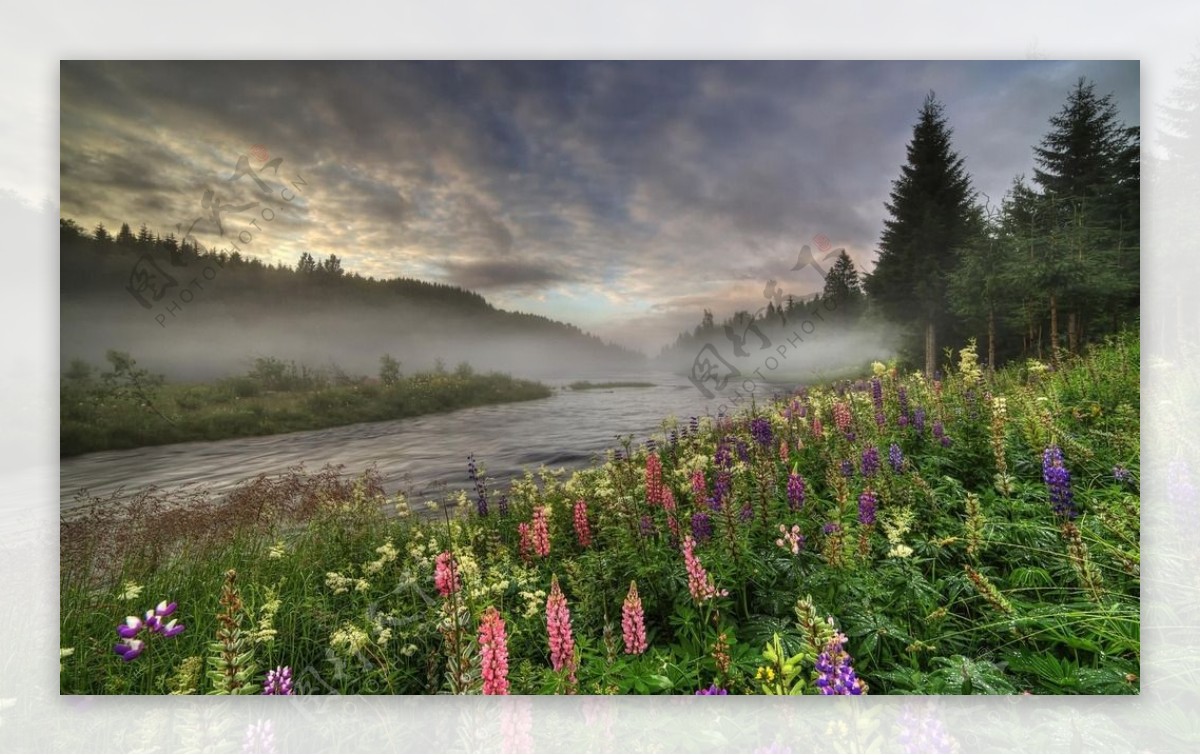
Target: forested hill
(191, 312)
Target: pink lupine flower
(699, 485)
(526, 546)
(783, 451)
(558, 627)
(633, 622)
(493, 650)
(445, 575)
(817, 428)
(541, 532)
(700, 582)
(654, 486)
(582, 530)
(841, 416)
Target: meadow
(969, 533)
(129, 407)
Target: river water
(421, 455)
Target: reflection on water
(420, 454)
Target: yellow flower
(131, 591)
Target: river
(421, 455)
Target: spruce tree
(843, 287)
(930, 212)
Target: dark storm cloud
(616, 193)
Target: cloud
(652, 187)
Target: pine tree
(125, 236)
(980, 284)
(930, 212)
(843, 287)
(1088, 169)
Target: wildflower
(867, 501)
(493, 651)
(877, 394)
(831, 528)
(129, 649)
(1058, 480)
(783, 451)
(938, 429)
(699, 485)
(702, 528)
(541, 532)
(817, 428)
(760, 430)
(558, 627)
(582, 530)
(654, 485)
(526, 544)
(902, 401)
(633, 622)
(841, 416)
(870, 461)
(945, 441)
(445, 575)
(130, 591)
(279, 681)
(646, 526)
(713, 690)
(276, 551)
(1121, 474)
(795, 491)
(790, 539)
(847, 468)
(481, 502)
(919, 420)
(835, 675)
(896, 458)
(700, 582)
(502, 505)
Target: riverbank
(134, 410)
(972, 535)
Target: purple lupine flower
(481, 502)
(945, 441)
(701, 527)
(902, 400)
(880, 420)
(867, 501)
(743, 450)
(847, 468)
(747, 513)
(938, 429)
(713, 690)
(130, 628)
(646, 526)
(922, 731)
(129, 649)
(902, 421)
(919, 420)
(795, 491)
(502, 504)
(870, 461)
(722, 457)
(851, 436)
(721, 488)
(896, 458)
(835, 675)
(170, 629)
(760, 429)
(694, 425)
(830, 528)
(1058, 481)
(674, 438)
(877, 393)
(279, 681)
(1121, 474)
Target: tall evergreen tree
(842, 286)
(980, 284)
(930, 212)
(1088, 170)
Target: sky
(623, 197)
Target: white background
(1164, 36)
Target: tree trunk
(930, 349)
(1054, 330)
(1072, 333)
(991, 340)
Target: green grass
(967, 582)
(584, 385)
(97, 418)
